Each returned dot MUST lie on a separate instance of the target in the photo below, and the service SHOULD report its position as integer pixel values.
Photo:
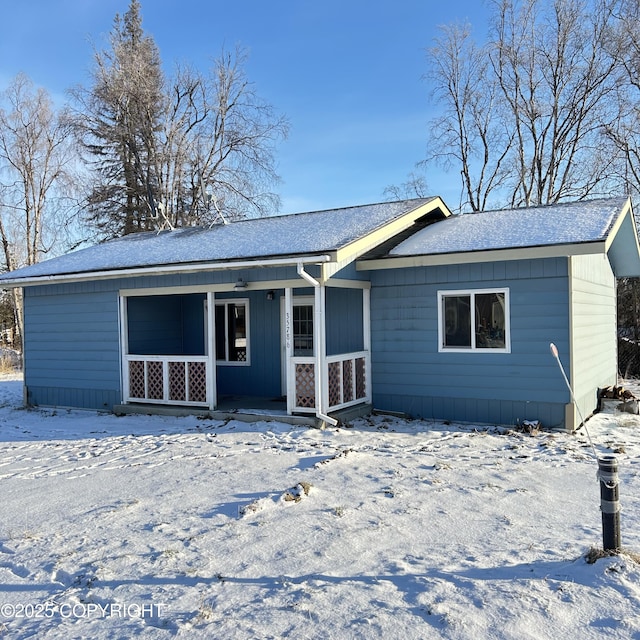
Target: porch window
(474, 320)
(232, 332)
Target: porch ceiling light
(240, 285)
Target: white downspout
(321, 343)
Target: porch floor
(247, 403)
(243, 408)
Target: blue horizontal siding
(71, 349)
(344, 321)
(75, 397)
(474, 410)
(166, 325)
(411, 375)
(72, 340)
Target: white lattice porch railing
(346, 381)
(167, 380)
(304, 375)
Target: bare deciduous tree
(624, 132)
(414, 187)
(470, 134)
(218, 135)
(524, 118)
(35, 158)
(559, 82)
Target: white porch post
(211, 352)
(366, 338)
(288, 350)
(320, 338)
(320, 346)
(124, 348)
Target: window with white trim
(302, 329)
(232, 332)
(474, 320)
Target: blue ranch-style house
(400, 307)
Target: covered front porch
(291, 347)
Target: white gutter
(321, 341)
(161, 270)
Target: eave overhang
(160, 270)
(494, 255)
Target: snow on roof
(571, 223)
(289, 235)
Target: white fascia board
(261, 285)
(626, 212)
(497, 255)
(341, 283)
(162, 270)
(387, 231)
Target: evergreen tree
(120, 116)
(157, 144)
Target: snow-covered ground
(155, 527)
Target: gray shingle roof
(571, 223)
(323, 232)
(300, 234)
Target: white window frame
(472, 293)
(225, 302)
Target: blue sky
(347, 74)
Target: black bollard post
(609, 502)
